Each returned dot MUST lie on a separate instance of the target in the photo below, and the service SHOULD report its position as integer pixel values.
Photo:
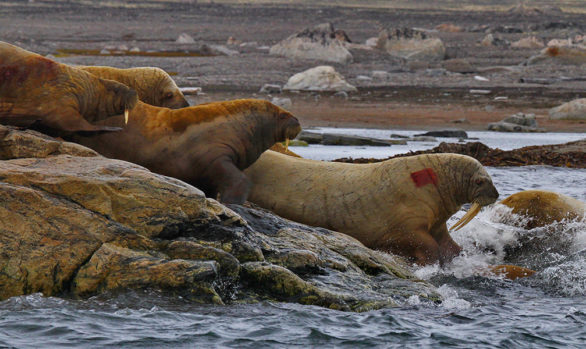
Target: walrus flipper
(231, 183)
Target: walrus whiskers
(472, 212)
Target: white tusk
(286, 145)
(126, 116)
(472, 212)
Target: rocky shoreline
(572, 154)
(76, 224)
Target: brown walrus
(545, 207)
(153, 85)
(40, 93)
(399, 205)
(206, 145)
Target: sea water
(546, 310)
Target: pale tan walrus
(153, 85)
(53, 97)
(399, 205)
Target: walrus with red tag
(40, 93)
(399, 205)
(207, 145)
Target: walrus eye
(168, 95)
(479, 182)
(283, 116)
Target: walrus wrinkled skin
(40, 93)
(153, 85)
(543, 207)
(399, 205)
(206, 145)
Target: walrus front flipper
(231, 183)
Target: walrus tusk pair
(472, 212)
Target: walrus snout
(291, 128)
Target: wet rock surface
(572, 154)
(73, 223)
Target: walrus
(207, 145)
(153, 85)
(37, 92)
(399, 205)
(543, 207)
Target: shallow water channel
(546, 310)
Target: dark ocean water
(546, 310)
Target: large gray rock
(411, 44)
(75, 223)
(321, 78)
(456, 133)
(519, 122)
(321, 42)
(574, 110)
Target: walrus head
(481, 192)
(122, 98)
(288, 127)
(167, 93)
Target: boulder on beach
(574, 110)
(449, 28)
(185, 38)
(529, 42)
(491, 41)
(321, 78)
(411, 44)
(568, 55)
(519, 122)
(76, 224)
(321, 42)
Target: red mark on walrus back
(423, 177)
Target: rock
(522, 119)
(185, 38)
(410, 44)
(233, 41)
(338, 139)
(270, 88)
(490, 41)
(456, 133)
(572, 154)
(310, 137)
(480, 92)
(341, 94)
(75, 224)
(460, 121)
(191, 91)
(458, 65)
(363, 78)
(321, 42)
(529, 42)
(559, 42)
(284, 103)
(569, 55)
(423, 139)
(574, 110)
(371, 42)
(221, 50)
(503, 126)
(380, 75)
(449, 28)
(321, 78)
